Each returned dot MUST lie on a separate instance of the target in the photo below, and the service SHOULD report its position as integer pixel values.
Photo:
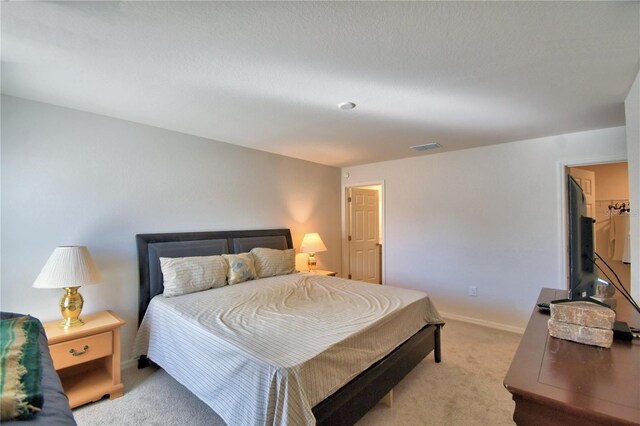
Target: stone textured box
(577, 333)
(583, 313)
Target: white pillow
(183, 275)
(240, 267)
(271, 262)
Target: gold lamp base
(70, 307)
(312, 262)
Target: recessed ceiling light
(347, 105)
(432, 145)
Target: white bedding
(266, 351)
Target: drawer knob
(76, 353)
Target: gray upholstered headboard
(153, 246)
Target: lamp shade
(312, 243)
(68, 267)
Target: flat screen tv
(582, 270)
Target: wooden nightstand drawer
(323, 272)
(92, 370)
(78, 351)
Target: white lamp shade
(312, 243)
(68, 267)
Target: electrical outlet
(473, 291)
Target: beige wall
(612, 180)
(612, 186)
(74, 178)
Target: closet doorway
(606, 188)
(364, 233)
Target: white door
(364, 248)
(587, 181)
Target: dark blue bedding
(55, 411)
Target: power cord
(621, 289)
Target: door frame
(345, 231)
(563, 173)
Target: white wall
(489, 217)
(70, 177)
(632, 111)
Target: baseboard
(130, 363)
(484, 323)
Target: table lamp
(69, 268)
(312, 244)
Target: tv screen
(582, 271)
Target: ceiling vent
(426, 146)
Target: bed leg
(436, 351)
(143, 362)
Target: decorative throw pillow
(241, 267)
(183, 275)
(272, 262)
(20, 368)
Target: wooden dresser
(87, 358)
(558, 382)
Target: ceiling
(270, 75)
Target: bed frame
(346, 405)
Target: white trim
(130, 363)
(345, 234)
(562, 195)
(562, 223)
(483, 323)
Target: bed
(257, 376)
(55, 410)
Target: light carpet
(464, 389)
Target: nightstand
(87, 358)
(322, 272)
